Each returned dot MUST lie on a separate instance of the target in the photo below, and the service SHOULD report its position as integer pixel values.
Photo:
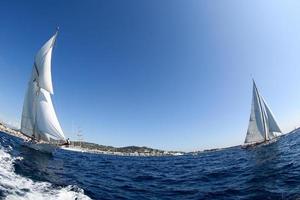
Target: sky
(173, 75)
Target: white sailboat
(39, 120)
(262, 124)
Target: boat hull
(257, 144)
(42, 147)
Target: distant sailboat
(262, 124)
(39, 120)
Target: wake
(14, 186)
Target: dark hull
(258, 144)
(42, 147)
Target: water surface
(266, 172)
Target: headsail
(272, 123)
(262, 123)
(39, 119)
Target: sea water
(266, 172)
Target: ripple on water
(266, 172)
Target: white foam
(15, 187)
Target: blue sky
(166, 74)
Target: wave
(14, 186)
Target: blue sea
(266, 172)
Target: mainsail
(262, 124)
(39, 119)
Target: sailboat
(262, 127)
(39, 120)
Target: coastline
(86, 147)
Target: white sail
(28, 114)
(39, 119)
(272, 123)
(46, 121)
(42, 63)
(256, 127)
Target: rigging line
(36, 69)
